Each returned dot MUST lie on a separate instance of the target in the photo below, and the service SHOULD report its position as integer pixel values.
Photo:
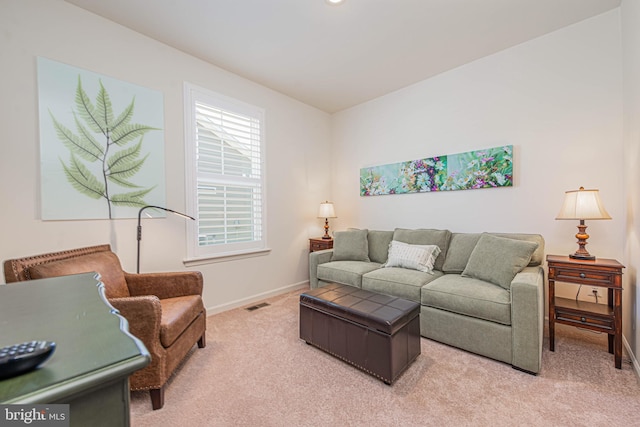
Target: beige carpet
(255, 371)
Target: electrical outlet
(595, 294)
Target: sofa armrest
(134, 309)
(527, 318)
(165, 285)
(315, 259)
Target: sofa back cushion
(379, 242)
(462, 244)
(460, 248)
(106, 264)
(439, 238)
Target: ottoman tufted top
(376, 311)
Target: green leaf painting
(487, 168)
(101, 141)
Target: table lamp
(582, 205)
(326, 211)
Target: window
(225, 174)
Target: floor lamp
(140, 226)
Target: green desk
(94, 356)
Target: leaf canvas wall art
(486, 168)
(101, 144)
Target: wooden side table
(318, 244)
(605, 273)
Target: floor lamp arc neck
(139, 229)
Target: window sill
(211, 259)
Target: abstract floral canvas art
(486, 168)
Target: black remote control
(19, 358)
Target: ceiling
(335, 57)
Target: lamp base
(326, 229)
(580, 256)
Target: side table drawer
(317, 246)
(320, 244)
(594, 321)
(581, 276)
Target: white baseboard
(254, 298)
(634, 362)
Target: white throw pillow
(415, 257)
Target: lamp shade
(326, 210)
(582, 204)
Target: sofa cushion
(345, 272)
(177, 314)
(104, 263)
(350, 245)
(439, 238)
(469, 297)
(498, 259)
(537, 258)
(460, 247)
(379, 245)
(413, 257)
(462, 244)
(399, 282)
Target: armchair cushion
(177, 314)
(104, 263)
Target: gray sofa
(484, 292)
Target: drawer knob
(582, 275)
(583, 319)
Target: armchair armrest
(315, 259)
(165, 285)
(143, 307)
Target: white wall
(631, 67)
(557, 99)
(296, 138)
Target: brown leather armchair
(164, 310)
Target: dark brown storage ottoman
(377, 333)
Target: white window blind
(224, 154)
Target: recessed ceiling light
(335, 2)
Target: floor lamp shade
(326, 211)
(582, 205)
